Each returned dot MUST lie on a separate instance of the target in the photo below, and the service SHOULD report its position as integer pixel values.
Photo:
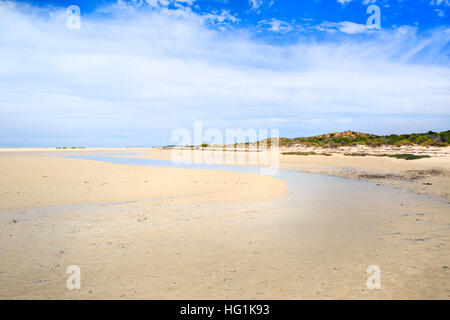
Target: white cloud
(344, 26)
(440, 12)
(344, 2)
(276, 25)
(133, 75)
(221, 18)
(351, 27)
(440, 2)
(255, 4)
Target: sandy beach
(30, 181)
(425, 176)
(140, 232)
(225, 150)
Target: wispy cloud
(276, 25)
(440, 2)
(344, 2)
(344, 26)
(255, 4)
(367, 2)
(132, 76)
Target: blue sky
(137, 70)
(424, 13)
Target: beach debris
(382, 176)
(412, 214)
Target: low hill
(349, 138)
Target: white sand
(191, 234)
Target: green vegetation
(405, 156)
(205, 145)
(356, 154)
(299, 153)
(352, 138)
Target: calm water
(303, 187)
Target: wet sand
(41, 180)
(213, 236)
(423, 176)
